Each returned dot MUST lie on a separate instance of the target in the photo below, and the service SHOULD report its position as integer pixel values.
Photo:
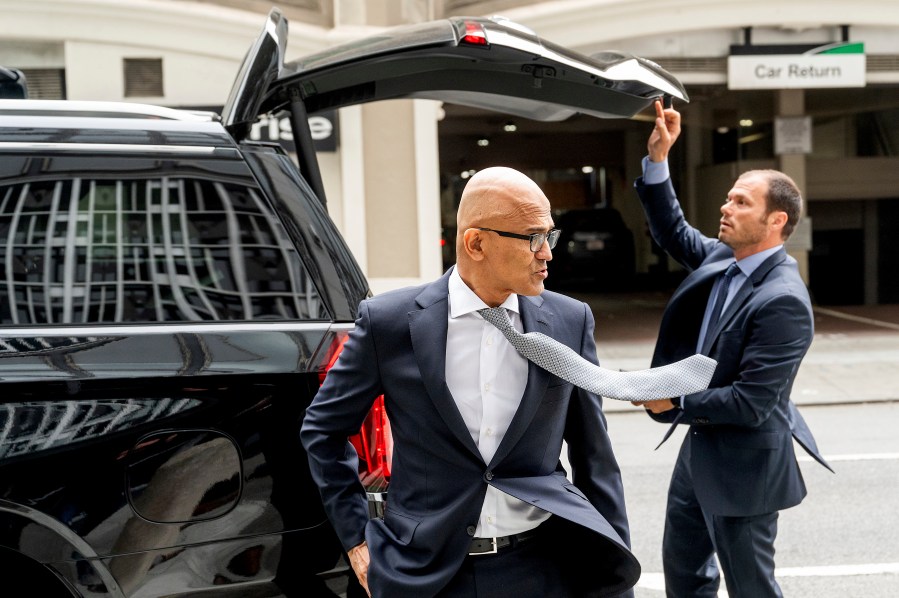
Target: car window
(178, 244)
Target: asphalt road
(841, 542)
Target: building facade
(811, 88)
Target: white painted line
(858, 457)
(656, 581)
(860, 319)
(838, 570)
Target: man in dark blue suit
(478, 504)
(737, 466)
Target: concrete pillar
(387, 191)
(402, 193)
(791, 102)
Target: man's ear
(777, 221)
(471, 243)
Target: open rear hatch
(492, 64)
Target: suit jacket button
(470, 530)
(488, 476)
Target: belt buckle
(494, 551)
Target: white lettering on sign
(275, 129)
(321, 127)
(795, 71)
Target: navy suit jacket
(438, 478)
(740, 444)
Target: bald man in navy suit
(478, 504)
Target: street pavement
(841, 542)
(854, 357)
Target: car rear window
(146, 247)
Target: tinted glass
(85, 248)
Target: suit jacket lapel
(534, 318)
(428, 329)
(742, 295)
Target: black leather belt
(493, 545)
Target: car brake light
(334, 352)
(475, 34)
(374, 441)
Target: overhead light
(510, 127)
(586, 169)
(745, 122)
(483, 142)
(722, 130)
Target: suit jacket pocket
(401, 527)
(575, 490)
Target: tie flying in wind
(673, 380)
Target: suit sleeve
(337, 412)
(766, 354)
(669, 228)
(594, 469)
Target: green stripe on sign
(850, 48)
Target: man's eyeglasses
(537, 239)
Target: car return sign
(840, 64)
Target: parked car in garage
(595, 250)
(174, 294)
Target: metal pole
(305, 147)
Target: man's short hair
(783, 196)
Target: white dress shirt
(487, 377)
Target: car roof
(68, 122)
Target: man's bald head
(495, 265)
(495, 194)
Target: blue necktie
(721, 297)
(714, 316)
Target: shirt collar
(749, 264)
(463, 300)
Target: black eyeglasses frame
(536, 239)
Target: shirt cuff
(654, 172)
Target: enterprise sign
(774, 67)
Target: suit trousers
(524, 570)
(693, 536)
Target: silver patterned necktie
(675, 379)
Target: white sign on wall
(833, 65)
(792, 135)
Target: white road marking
(856, 457)
(860, 319)
(656, 581)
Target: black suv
(174, 294)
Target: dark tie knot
(731, 271)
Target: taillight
(333, 353)
(474, 34)
(373, 442)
